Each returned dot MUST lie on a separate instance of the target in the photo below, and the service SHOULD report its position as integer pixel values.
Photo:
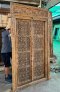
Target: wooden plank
(14, 52)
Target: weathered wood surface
(50, 35)
(30, 45)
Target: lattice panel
(24, 63)
(38, 49)
(24, 43)
(38, 42)
(38, 65)
(23, 27)
(38, 57)
(38, 72)
(24, 76)
(24, 59)
(38, 27)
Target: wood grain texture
(30, 45)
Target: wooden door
(30, 45)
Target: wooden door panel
(24, 55)
(38, 49)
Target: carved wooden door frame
(19, 11)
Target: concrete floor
(4, 86)
(53, 85)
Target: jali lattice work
(30, 45)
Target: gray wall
(52, 3)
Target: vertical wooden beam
(50, 47)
